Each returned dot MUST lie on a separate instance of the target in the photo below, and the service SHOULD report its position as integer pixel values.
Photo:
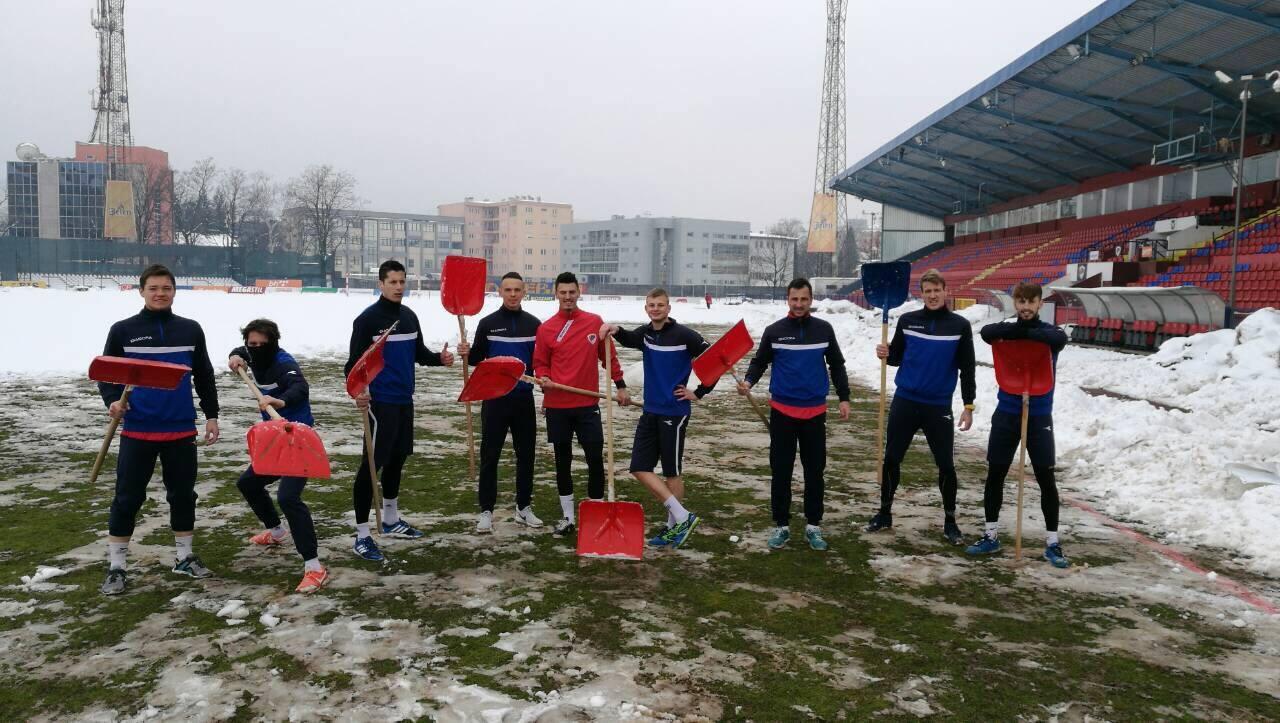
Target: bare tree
(232, 189)
(259, 214)
(193, 213)
(315, 198)
(153, 202)
(5, 222)
(794, 228)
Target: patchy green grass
(896, 624)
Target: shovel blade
(137, 372)
(722, 355)
(492, 378)
(282, 448)
(462, 285)
(1023, 366)
(611, 529)
(886, 284)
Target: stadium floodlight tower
(828, 205)
(1245, 80)
(111, 97)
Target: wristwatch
(968, 407)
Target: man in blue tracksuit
(930, 347)
(389, 399)
(801, 349)
(1006, 429)
(668, 350)
(509, 331)
(285, 389)
(158, 424)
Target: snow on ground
(1167, 468)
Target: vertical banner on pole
(120, 221)
(822, 224)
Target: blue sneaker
(366, 548)
(1053, 553)
(779, 537)
(401, 529)
(984, 546)
(660, 539)
(814, 536)
(678, 534)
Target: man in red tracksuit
(567, 351)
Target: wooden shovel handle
(561, 387)
(257, 393)
(106, 440)
(750, 398)
(608, 411)
(466, 376)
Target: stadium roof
(1095, 98)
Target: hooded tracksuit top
(507, 333)
(800, 349)
(567, 349)
(404, 347)
(166, 337)
(930, 348)
(668, 360)
(1035, 330)
(278, 375)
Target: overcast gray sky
(703, 108)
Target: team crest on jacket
(592, 338)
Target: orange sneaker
(313, 580)
(266, 538)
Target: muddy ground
(515, 627)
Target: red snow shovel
(721, 357)
(279, 447)
(495, 376)
(131, 373)
(362, 374)
(886, 286)
(610, 529)
(1023, 368)
(462, 293)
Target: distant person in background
(707, 298)
(801, 350)
(1006, 429)
(509, 331)
(158, 424)
(283, 388)
(389, 399)
(931, 348)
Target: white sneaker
(485, 524)
(526, 517)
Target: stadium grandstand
(1103, 164)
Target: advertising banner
(822, 224)
(246, 290)
(279, 283)
(120, 221)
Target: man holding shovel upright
(509, 331)
(930, 348)
(668, 349)
(567, 351)
(283, 388)
(389, 400)
(158, 424)
(801, 349)
(1006, 428)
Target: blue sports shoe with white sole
(366, 548)
(1053, 553)
(401, 529)
(984, 546)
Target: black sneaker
(192, 567)
(565, 528)
(951, 531)
(115, 582)
(882, 521)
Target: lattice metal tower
(111, 97)
(831, 126)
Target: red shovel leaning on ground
(721, 357)
(131, 373)
(1023, 368)
(462, 293)
(362, 374)
(279, 447)
(610, 529)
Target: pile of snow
(1169, 469)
